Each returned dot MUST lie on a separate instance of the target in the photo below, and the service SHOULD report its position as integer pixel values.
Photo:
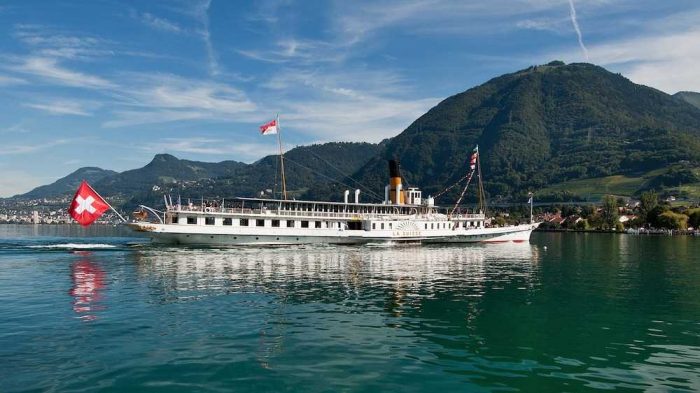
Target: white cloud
(210, 97)
(17, 128)
(49, 48)
(553, 25)
(269, 12)
(159, 23)
(665, 61)
(30, 147)
(438, 16)
(300, 52)
(11, 80)
(648, 48)
(357, 28)
(63, 107)
(345, 105)
(126, 118)
(344, 82)
(48, 68)
(268, 56)
(369, 119)
(354, 24)
(13, 182)
(212, 146)
(166, 98)
(670, 76)
(47, 42)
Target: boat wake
(74, 246)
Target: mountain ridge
(690, 97)
(541, 126)
(167, 172)
(67, 184)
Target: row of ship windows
(439, 225)
(244, 222)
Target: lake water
(98, 310)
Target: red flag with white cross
(87, 205)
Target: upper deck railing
(267, 212)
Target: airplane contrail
(578, 30)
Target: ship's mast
(482, 196)
(473, 168)
(279, 141)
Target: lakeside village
(44, 211)
(648, 214)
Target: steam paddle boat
(404, 216)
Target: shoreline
(655, 232)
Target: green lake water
(100, 310)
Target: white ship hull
(515, 233)
(221, 237)
(226, 237)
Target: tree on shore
(582, 225)
(587, 211)
(648, 201)
(694, 218)
(671, 220)
(609, 212)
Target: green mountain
(690, 97)
(543, 126)
(163, 171)
(305, 167)
(68, 184)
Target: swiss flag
(269, 128)
(87, 206)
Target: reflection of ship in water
(350, 269)
(286, 288)
(88, 280)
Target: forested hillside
(543, 126)
(68, 184)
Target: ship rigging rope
(371, 194)
(366, 189)
(451, 187)
(464, 191)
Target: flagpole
(279, 141)
(482, 196)
(110, 206)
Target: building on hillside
(625, 218)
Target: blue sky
(111, 83)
